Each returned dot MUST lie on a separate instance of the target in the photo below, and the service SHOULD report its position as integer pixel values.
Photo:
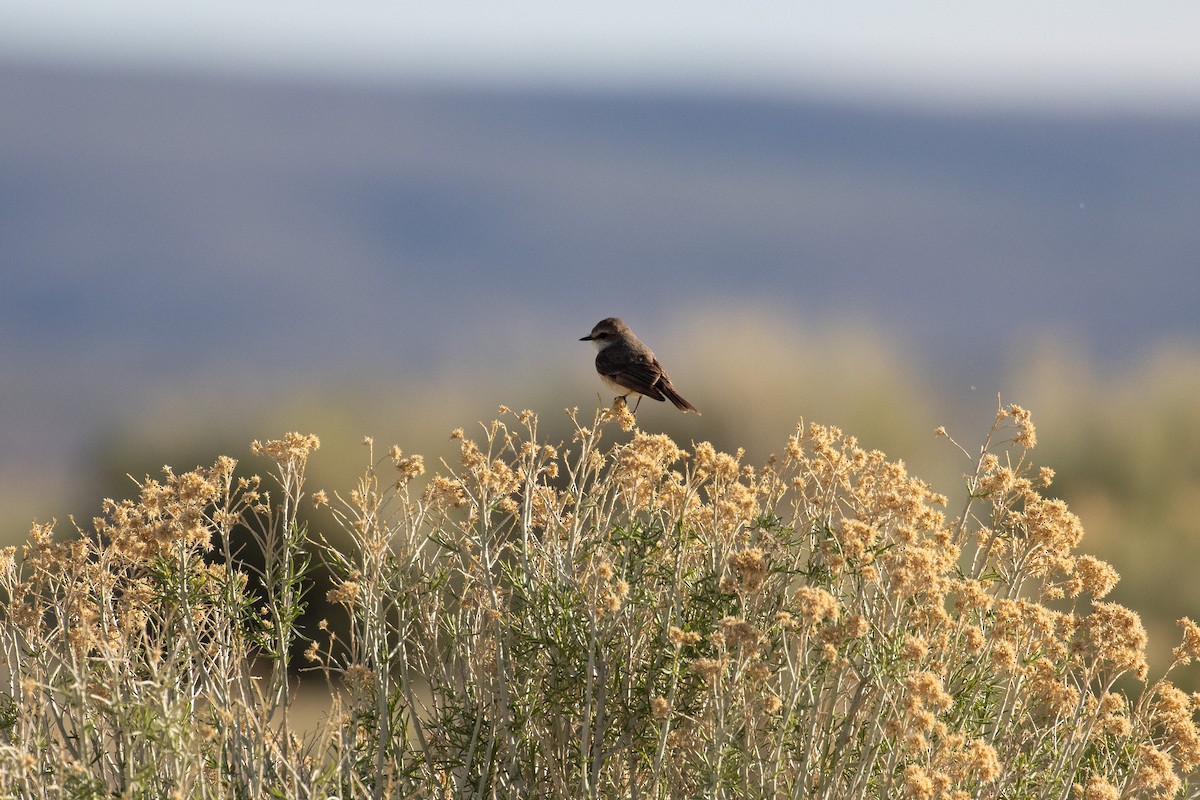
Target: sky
(1101, 52)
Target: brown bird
(629, 367)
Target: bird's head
(606, 331)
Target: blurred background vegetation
(1125, 442)
(372, 221)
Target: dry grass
(607, 616)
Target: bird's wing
(632, 371)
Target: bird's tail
(683, 405)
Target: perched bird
(629, 367)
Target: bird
(628, 366)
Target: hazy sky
(1023, 51)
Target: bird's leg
(638, 403)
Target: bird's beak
(587, 338)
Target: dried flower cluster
(591, 619)
(129, 651)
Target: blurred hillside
(192, 262)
